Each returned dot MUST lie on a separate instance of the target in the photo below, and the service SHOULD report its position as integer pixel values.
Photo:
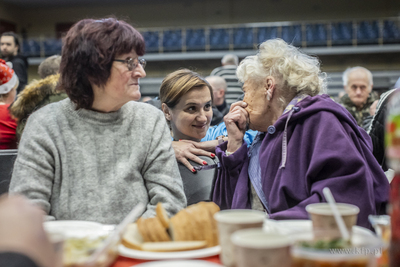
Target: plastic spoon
(338, 218)
(135, 212)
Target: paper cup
(230, 221)
(256, 248)
(322, 217)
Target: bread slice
(132, 238)
(173, 246)
(212, 209)
(162, 215)
(143, 229)
(155, 230)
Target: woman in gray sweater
(96, 154)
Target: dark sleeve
(377, 133)
(12, 259)
(20, 69)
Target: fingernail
(193, 170)
(180, 139)
(204, 162)
(212, 155)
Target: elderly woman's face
(254, 96)
(123, 84)
(191, 117)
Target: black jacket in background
(376, 128)
(20, 66)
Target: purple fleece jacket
(325, 148)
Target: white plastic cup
(230, 221)
(257, 248)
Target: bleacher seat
(316, 34)
(367, 32)
(7, 158)
(195, 39)
(172, 40)
(52, 47)
(292, 34)
(391, 31)
(151, 38)
(266, 33)
(342, 33)
(243, 38)
(219, 39)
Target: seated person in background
(97, 154)
(8, 89)
(219, 87)
(38, 93)
(359, 96)
(306, 142)
(23, 241)
(186, 99)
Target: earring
(268, 97)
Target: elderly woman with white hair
(306, 142)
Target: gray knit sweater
(86, 165)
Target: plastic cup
(362, 252)
(322, 217)
(230, 221)
(256, 248)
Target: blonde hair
(295, 71)
(178, 83)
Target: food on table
(191, 228)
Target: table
(127, 262)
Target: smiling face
(121, 87)
(358, 87)
(255, 97)
(191, 117)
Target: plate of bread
(191, 233)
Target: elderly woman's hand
(236, 124)
(186, 150)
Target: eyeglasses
(131, 64)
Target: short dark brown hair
(89, 49)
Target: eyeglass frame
(131, 64)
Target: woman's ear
(270, 84)
(166, 111)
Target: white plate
(148, 255)
(73, 228)
(178, 264)
(296, 226)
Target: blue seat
(316, 35)
(26, 49)
(151, 39)
(391, 32)
(243, 38)
(266, 33)
(52, 47)
(367, 32)
(172, 40)
(342, 33)
(34, 48)
(195, 39)
(219, 39)
(292, 34)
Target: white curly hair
(294, 71)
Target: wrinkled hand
(21, 231)
(186, 150)
(236, 124)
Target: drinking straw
(338, 218)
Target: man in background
(359, 97)
(9, 46)
(228, 72)
(219, 88)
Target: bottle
(392, 141)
